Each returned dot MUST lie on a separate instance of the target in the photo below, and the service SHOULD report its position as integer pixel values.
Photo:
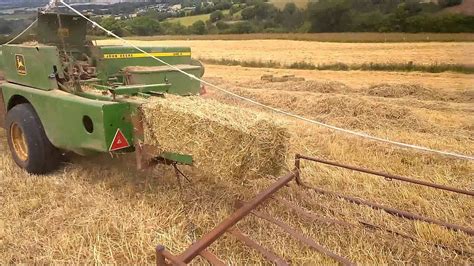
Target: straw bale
(225, 141)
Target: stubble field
(100, 210)
(287, 51)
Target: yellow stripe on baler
(142, 55)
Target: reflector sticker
(119, 142)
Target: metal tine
(311, 216)
(387, 176)
(271, 256)
(162, 255)
(393, 211)
(211, 258)
(209, 238)
(303, 238)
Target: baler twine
(276, 110)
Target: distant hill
(106, 1)
(466, 8)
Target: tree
(330, 15)
(221, 25)
(234, 9)
(216, 16)
(5, 27)
(368, 22)
(113, 25)
(291, 18)
(174, 28)
(241, 27)
(447, 3)
(248, 13)
(198, 27)
(144, 26)
(265, 11)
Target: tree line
(257, 16)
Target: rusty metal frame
(388, 177)
(199, 248)
(144, 154)
(389, 210)
(228, 225)
(3, 108)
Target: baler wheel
(29, 145)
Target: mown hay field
(100, 210)
(287, 52)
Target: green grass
(281, 3)
(390, 67)
(16, 16)
(189, 20)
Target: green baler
(46, 109)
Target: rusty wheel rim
(19, 142)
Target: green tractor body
(55, 75)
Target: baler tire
(41, 156)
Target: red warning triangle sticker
(119, 142)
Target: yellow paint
(142, 55)
(19, 143)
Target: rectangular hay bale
(225, 141)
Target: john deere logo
(20, 64)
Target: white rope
(21, 33)
(347, 131)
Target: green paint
(135, 89)
(73, 30)
(180, 84)
(62, 116)
(179, 158)
(84, 122)
(1, 59)
(112, 67)
(39, 62)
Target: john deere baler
(46, 103)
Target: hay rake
(244, 209)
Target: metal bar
(303, 238)
(162, 254)
(311, 215)
(3, 110)
(138, 133)
(269, 255)
(211, 258)
(210, 237)
(389, 176)
(102, 87)
(126, 90)
(377, 227)
(393, 211)
(144, 86)
(298, 169)
(160, 259)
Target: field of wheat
(101, 210)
